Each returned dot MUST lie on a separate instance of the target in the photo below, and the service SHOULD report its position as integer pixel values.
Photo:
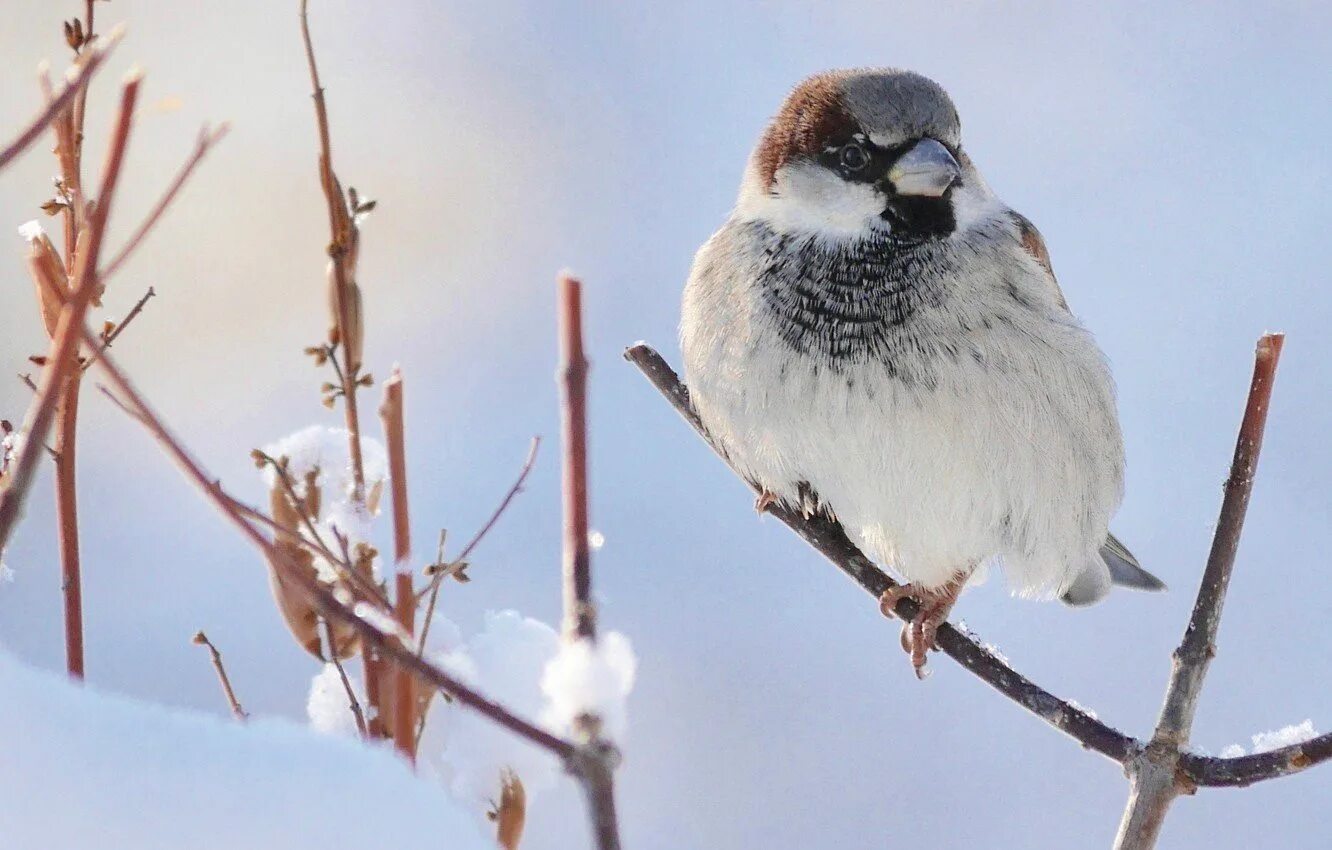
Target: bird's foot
(933, 606)
(765, 500)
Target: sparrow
(875, 336)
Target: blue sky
(1174, 159)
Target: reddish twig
(348, 325)
(340, 236)
(404, 694)
(61, 373)
(207, 139)
(120, 328)
(353, 704)
(389, 645)
(1155, 774)
(391, 412)
(240, 713)
(596, 758)
(58, 104)
(442, 571)
(579, 612)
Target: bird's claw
(765, 500)
(920, 634)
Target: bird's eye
(854, 157)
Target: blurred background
(1175, 161)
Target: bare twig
(62, 371)
(1155, 775)
(579, 612)
(391, 412)
(443, 571)
(120, 328)
(404, 695)
(353, 704)
(359, 583)
(240, 713)
(340, 235)
(58, 104)
(594, 761)
(207, 138)
(321, 597)
(348, 324)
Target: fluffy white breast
(992, 434)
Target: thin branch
(1207, 771)
(595, 760)
(830, 540)
(348, 324)
(357, 581)
(62, 362)
(1155, 775)
(353, 704)
(57, 105)
(120, 328)
(207, 139)
(404, 695)
(341, 234)
(443, 571)
(580, 615)
(311, 589)
(240, 713)
(392, 414)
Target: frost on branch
(327, 705)
(323, 450)
(318, 457)
(312, 496)
(468, 751)
(1264, 742)
(587, 678)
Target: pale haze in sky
(1174, 158)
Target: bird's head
(855, 152)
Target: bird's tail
(1115, 566)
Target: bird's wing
(1034, 244)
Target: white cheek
(973, 202)
(805, 197)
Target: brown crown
(812, 116)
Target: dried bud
(328, 401)
(366, 380)
(301, 617)
(319, 353)
(511, 814)
(37, 359)
(48, 275)
(54, 206)
(372, 498)
(199, 639)
(74, 33)
(260, 459)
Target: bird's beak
(927, 169)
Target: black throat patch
(850, 301)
